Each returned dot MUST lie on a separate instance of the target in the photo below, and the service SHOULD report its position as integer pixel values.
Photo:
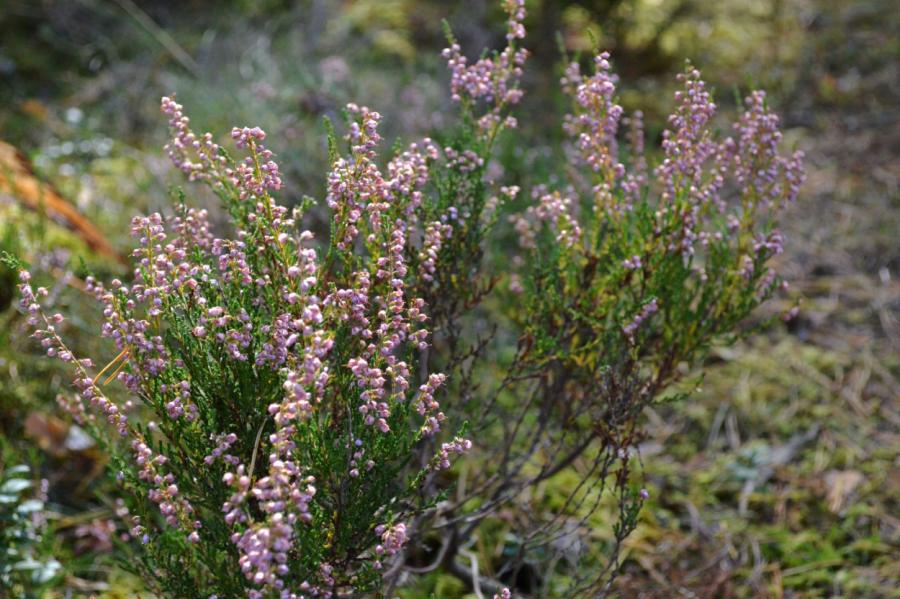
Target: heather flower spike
(493, 79)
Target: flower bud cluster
(257, 174)
(691, 179)
(649, 309)
(458, 446)
(174, 507)
(493, 79)
(360, 195)
(223, 442)
(688, 144)
(392, 538)
(435, 234)
(760, 172)
(185, 143)
(595, 126)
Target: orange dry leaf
(48, 432)
(17, 179)
(34, 108)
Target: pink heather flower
(552, 208)
(458, 447)
(747, 267)
(648, 310)
(435, 234)
(426, 405)
(358, 192)
(595, 126)
(223, 443)
(515, 284)
(246, 136)
(393, 538)
(525, 230)
(763, 176)
(73, 406)
(184, 144)
(192, 229)
(175, 508)
(556, 210)
(633, 263)
(688, 144)
(257, 174)
(96, 535)
(493, 79)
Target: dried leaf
(48, 432)
(841, 484)
(17, 179)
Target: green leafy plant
(24, 571)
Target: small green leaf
(30, 506)
(15, 485)
(20, 469)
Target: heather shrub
(279, 426)
(626, 277)
(254, 355)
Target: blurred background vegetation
(779, 478)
